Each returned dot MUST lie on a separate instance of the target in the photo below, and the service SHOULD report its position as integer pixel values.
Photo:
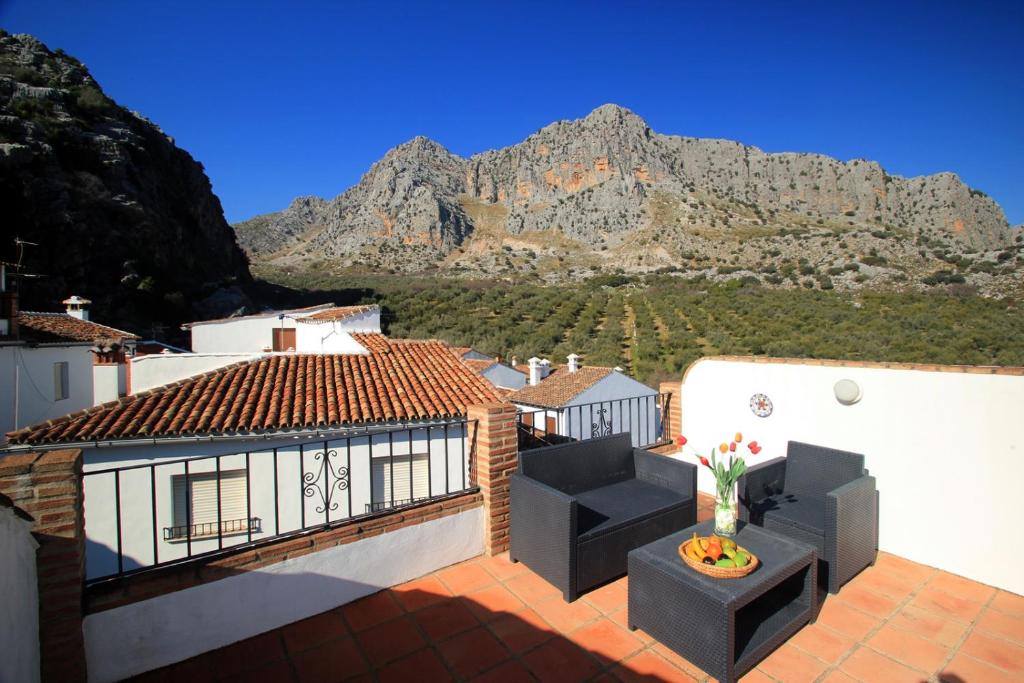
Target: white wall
(327, 337)
(129, 640)
(19, 613)
(158, 369)
(108, 382)
(241, 335)
(27, 386)
(254, 333)
(503, 376)
(638, 416)
(944, 447)
(288, 510)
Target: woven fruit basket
(716, 571)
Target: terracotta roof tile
(51, 328)
(399, 380)
(337, 313)
(560, 387)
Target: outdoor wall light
(847, 392)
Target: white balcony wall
(945, 448)
(146, 493)
(146, 635)
(19, 616)
(108, 382)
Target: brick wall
(48, 486)
(166, 580)
(673, 425)
(496, 454)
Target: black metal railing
(160, 513)
(644, 417)
(228, 526)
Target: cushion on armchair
(572, 468)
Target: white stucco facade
(27, 386)
(944, 447)
(145, 635)
(19, 612)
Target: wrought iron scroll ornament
(602, 427)
(328, 479)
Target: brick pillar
(496, 453)
(674, 423)
(48, 486)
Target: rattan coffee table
(724, 626)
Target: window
(202, 498)
(61, 386)
(417, 469)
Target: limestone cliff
(607, 192)
(120, 214)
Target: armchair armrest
(851, 529)
(543, 531)
(758, 483)
(666, 472)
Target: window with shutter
(202, 499)
(405, 469)
(61, 382)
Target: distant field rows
(697, 319)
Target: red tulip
(681, 440)
(752, 445)
(704, 461)
(732, 447)
(755, 450)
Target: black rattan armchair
(579, 508)
(821, 496)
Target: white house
(325, 328)
(52, 364)
(267, 446)
(586, 402)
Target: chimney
(574, 362)
(77, 307)
(535, 375)
(545, 368)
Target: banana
(693, 549)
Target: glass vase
(726, 512)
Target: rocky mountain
(120, 214)
(607, 193)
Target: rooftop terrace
(488, 619)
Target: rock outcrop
(611, 192)
(120, 214)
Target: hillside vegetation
(655, 326)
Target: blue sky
(292, 98)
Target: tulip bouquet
(726, 477)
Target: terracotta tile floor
(490, 620)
